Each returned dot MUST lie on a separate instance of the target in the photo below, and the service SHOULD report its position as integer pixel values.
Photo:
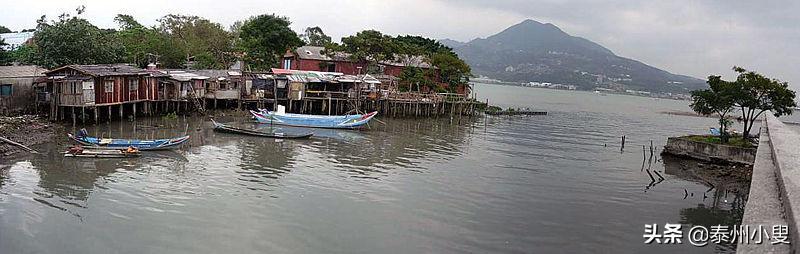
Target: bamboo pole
(18, 144)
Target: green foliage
(452, 70)
(370, 47)
(751, 93)
(200, 39)
(493, 109)
(418, 45)
(4, 29)
(127, 22)
(73, 40)
(314, 36)
(170, 116)
(264, 39)
(25, 55)
(5, 56)
(718, 99)
(414, 78)
(733, 141)
(755, 94)
(145, 45)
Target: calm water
(555, 183)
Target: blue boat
(109, 143)
(314, 121)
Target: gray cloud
(696, 38)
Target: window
(5, 90)
(133, 84)
(74, 87)
(287, 63)
(108, 86)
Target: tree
(452, 70)
(144, 45)
(755, 94)
(426, 46)
(367, 47)
(200, 39)
(5, 56)
(73, 40)
(718, 99)
(314, 36)
(4, 29)
(25, 55)
(127, 22)
(265, 38)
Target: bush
(736, 140)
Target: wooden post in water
(622, 147)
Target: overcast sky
(695, 38)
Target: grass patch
(737, 141)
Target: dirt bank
(29, 130)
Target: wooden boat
(108, 143)
(230, 129)
(314, 121)
(78, 151)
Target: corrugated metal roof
(21, 71)
(316, 53)
(101, 70)
(185, 76)
(14, 40)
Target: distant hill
(532, 51)
(452, 43)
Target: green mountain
(532, 51)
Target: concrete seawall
(683, 146)
(775, 187)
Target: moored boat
(78, 151)
(314, 121)
(279, 135)
(109, 143)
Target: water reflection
(728, 189)
(66, 184)
(554, 183)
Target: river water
(555, 183)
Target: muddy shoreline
(29, 130)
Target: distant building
(15, 40)
(16, 87)
(313, 58)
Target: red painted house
(107, 84)
(312, 58)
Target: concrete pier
(775, 187)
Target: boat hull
(144, 145)
(230, 129)
(314, 121)
(107, 154)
